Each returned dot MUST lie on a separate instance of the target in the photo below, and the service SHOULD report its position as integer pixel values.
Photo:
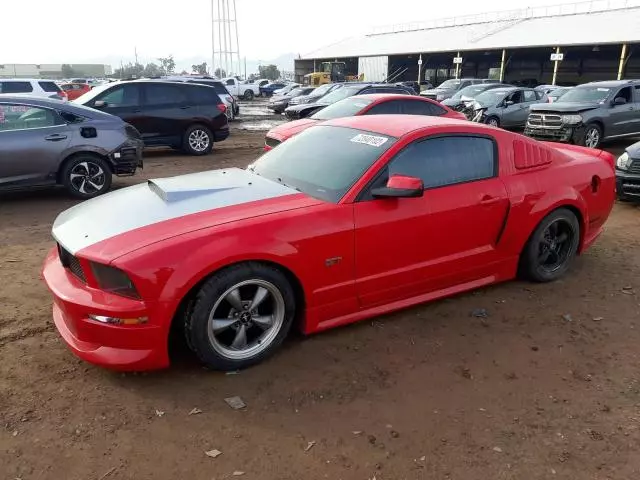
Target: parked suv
(46, 142)
(179, 115)
(449, 87)
(588, 114)
(628, 174)
(32, 87)
(231, 102)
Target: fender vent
(529, 155)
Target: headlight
(571, 119)
(114, 280)
(624, 162)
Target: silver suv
(32, 87)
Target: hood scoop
(186, 187)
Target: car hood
(436, 91)
(125, 220)
(304, 106)
(289, 129)
(563, 107)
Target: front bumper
(628, 185)
(118, 347)
(565, 133)
(127, 158)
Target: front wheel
(240, 316)
(248, 95)
(551, 247)
(198, 140)
(591, 136)
(493, 121)
(86, 176)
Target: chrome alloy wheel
(592, 138)
(199, 140)
(87, 177)
(246, 319)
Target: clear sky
(41, 31)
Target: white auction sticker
(372, 140)
(603, 89)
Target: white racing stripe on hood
(157, 201)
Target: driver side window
(229, 82)
(515, 97)
(121, 96)
(625, 93)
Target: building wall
(49, 70)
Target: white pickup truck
(242, 90)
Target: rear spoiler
(593, 152)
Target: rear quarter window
(201, 95)
(217, 86)
(15, 87)
(49, 87)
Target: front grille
(271, 142)
(635, 167)
(71, 263)
(544, 120)
(562, 134)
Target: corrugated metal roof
(595, 28)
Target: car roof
(610, 83)
(378, 97)
(397, 125)
(508, 89)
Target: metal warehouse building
(589, 41)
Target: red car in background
(354, 218)
(75, 90)
(369, 104)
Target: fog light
(119, 321)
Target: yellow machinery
(331, 72)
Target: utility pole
(213, 42)
(135, 52)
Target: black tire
(248, 95)
(537, 259)
(588, 133)
(212, 299)
(83, 173)
(192, 146)
(493, 120)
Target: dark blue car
(267, 90)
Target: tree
(200, 69)
(220, 73)
(129, 70)
(184, 72)
(151, 70)
(68, 71)
(270, 72)
(167, 65)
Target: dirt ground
(546, 386)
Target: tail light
(222, 107)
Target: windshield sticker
(372, 140)
(603, 89)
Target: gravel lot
(547, 386)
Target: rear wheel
(248, 95)
(551, 247)
(198, 140)
(86, 176)
(240, 316)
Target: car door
(32, 142)
(622, 117)
(125, 102)
(411, 246)
(529, 98)
(635, 125)
(168, 111)
(514, 112)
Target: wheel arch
(598, 121)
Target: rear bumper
(628, 185)
(127, 158)
(220, 135)
(126, 348)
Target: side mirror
(508, 103)
(400, 186)
(100, 104)
(619, 101)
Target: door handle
(185, 107)
(137, 110)
(489, 200)
(56, 137)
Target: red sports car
(75, 90)
(371, 104)
(352, 218)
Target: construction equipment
(331, 72)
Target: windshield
(558, 92)
(93, 93)
(449, 84)
(340, 93)
(323, 161)
(320, 91)
(344, 108)
(471, 91)
(586, 94)
(491, 97)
